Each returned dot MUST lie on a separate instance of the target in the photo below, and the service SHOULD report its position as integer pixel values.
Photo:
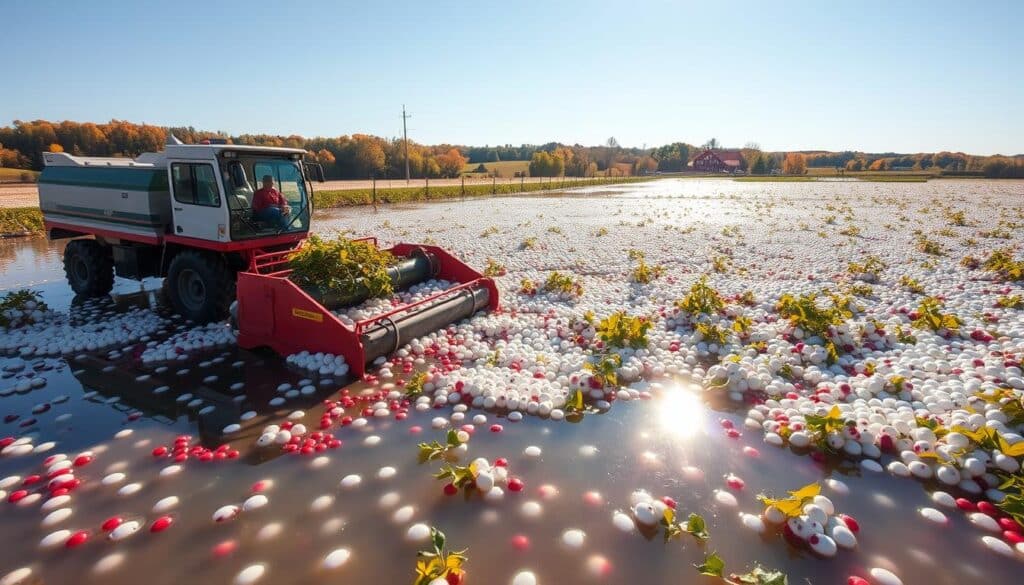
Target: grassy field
(16, 175)
(350, 197)
(21, 221)
(505, 168)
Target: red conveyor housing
(275, 312)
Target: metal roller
(418, 267)
(394, 333)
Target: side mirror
(317, 171)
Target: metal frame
(275, 312)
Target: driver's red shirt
(267, 197)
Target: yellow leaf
(576, 402)
(790, 507)
(669, 515)
(972, 435)
(1015, 450)
(429, 568)
(834, 413)
(808, 491)
(453, 564)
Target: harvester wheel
(89, 268)
(200, 286)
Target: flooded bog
(572, 447)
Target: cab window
(195, 184)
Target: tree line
(361, 156)
(996, 166)
(358, 156)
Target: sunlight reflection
(681, 412)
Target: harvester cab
(194, 215)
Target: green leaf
(437, 538)
(453, 438)
(668, 521)
(760, 576)
(696, 526)
(713, 565)
(1013, 505)
(427, 451)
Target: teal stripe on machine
(102, 218)
(151, 219)
(117, 178)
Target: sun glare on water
(681, 412)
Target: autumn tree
(541, 164)
(450, 163)
(645, 165)
(325, 157)
(368, 155)
(749, 155)
(11, 158)
(794, 164)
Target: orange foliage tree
(451, 163)
(794, 164)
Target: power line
(405, 135)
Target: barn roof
(731, 158)
(729, 155)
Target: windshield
(265, 195)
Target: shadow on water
(228, 382)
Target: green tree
(541, 164)
(760, 167)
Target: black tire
(89, 267)
(200, 286)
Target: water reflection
(245, 383)
(670, 446)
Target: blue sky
(874, 76)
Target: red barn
(718, 161)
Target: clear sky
(874, 76)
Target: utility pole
(405, 134)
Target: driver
(269, 205)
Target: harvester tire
(89, 267)
(200, 286)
